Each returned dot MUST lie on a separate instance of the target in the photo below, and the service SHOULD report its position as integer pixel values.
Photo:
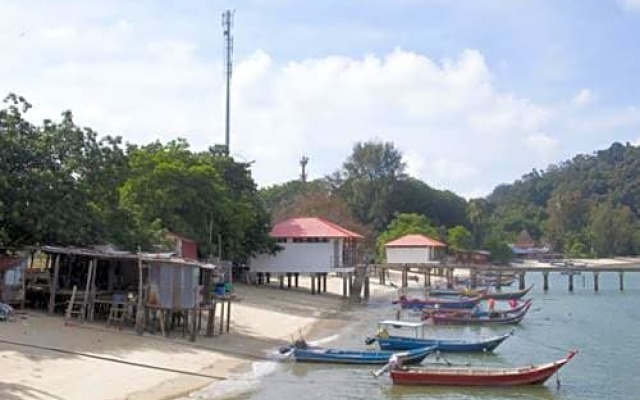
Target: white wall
(299, 257)
(410, 255)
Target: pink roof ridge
(311, 227)
(415, 240)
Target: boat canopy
(417, 326)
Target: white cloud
(583, 98)
(456, 129)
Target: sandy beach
(263, 318)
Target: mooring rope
(114, 360)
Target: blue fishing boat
(394, 342)
(303, 353)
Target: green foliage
(459, 238)
(587, 205)
(61, 185)
(367, 179)
(404, 224)
(500, 251)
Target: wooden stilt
(366, 287)
(596, 281)
(222, 316)
(344, 286)
(194, 326)
(570, 276)
(85, 300)
(281, 281)
(473, 274)
(522, 284)
(429, 277)
(54, 285)
(288, 280)
(296, 279)
(545, 281)
(268, 278)
(324, 282)
(211, 318)
(621, 277)
(228, 314)
(313, 284)
(92, 290)
(499, 282)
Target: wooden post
(522, 280)
(596, 283)
(281, 281)
(382, 276)
(313, 284)
(296, 279)
(211, 318)
(222, 316)
(54, 285)
(405, 279)
(570, 276)
(428, 282)
(288, 280)
(194, 317)
(344, 286)
(621, 277)
(499, 282)
(350, 283)
(473, 274)
(268, 278)
(324, 282)
(140, 312)
(366, 287)
(85, 300)
(228, 314)
(545, 281)
(92, 289)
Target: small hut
(414, 249)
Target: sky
(474, 93)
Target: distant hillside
(586, 206)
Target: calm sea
(603, 326)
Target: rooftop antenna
(227, 24)
(303, 164)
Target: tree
(612, 229)
(500, 251)
(367, 179)
(404, 224)
(459, 238)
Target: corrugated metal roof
(311, 227)
(415, 240)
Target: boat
(301, 352)
(477, 376)
(437, 303)
(513, 295)
(394, 342)
(491, 318)
(426, 313)
(463, 291)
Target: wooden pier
(519, 271)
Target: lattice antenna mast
(227, 24)
(303, 164)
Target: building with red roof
(414, 249)
(309, 245)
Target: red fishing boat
(478, 376)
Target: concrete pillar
(596, 281)
(621, 277)
(570, 276)
(545, 281)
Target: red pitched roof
(310, 227)
(415, 241)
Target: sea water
(603, 326)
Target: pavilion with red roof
(310, 245)
(414, 249)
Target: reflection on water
(603, 326)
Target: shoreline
(263, 319)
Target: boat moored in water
(477, 376)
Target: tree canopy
(60, 184)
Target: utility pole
(227, 24)
(303, 164)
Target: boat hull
(532, 375)
(320, 355)
(443, 345)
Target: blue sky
(475, 93)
